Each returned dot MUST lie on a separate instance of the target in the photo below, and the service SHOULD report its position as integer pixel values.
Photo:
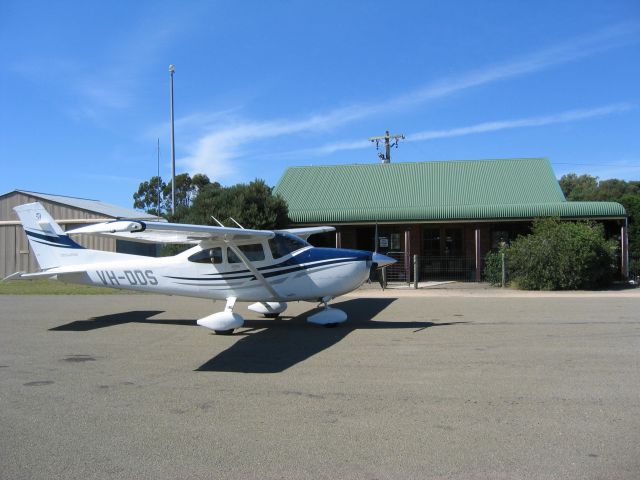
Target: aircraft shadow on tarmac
(272, 346)
(134, 316)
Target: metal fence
(430, 268)
(447, 268)
(398, 271)
(458, 268)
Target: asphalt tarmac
(418, 385)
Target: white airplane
(267, 267)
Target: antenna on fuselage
(234, 221)
(217, 221)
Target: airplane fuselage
(307, 274)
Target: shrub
(493, 266)
(562, 256)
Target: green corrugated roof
(450, 190)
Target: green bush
(562, 256)
(634, 268)
(493, 266)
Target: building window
(395, 242)
(442, 241)
(431, 241)
(453, 242)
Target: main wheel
(224, 332)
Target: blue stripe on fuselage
(316, 254)
(55, 241)
(305, 260)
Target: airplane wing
(155, 232)
(163, 232)
(306, 232)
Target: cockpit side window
(254, 253)
(209, 255)
(284, 243)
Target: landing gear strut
(225, 322)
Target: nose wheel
(268, 309)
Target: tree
(587, 188)
(631, 204)
(577, 188)
(200, 180)
(252, 205)
(149, 196)
(614, 189)
(187, 188)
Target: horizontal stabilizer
(28, 276)
(47, 274)
(13, 276)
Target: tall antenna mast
(386, 156)
(158, 208)
(172, 69)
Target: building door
(443, 256)
(391, 242)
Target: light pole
(172, 69)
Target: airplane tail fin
(51, 246)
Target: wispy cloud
(213, 152)
(562, 117)
(572, 50)
(484, 127)
(216, 149)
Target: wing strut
(253, 269)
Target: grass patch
(54, 287)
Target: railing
(459, 268)
(456, 268)
(397, 272)
(430, 268)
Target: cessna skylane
(269, 268)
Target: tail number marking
(127, 277)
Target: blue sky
(260, 86)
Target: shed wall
(15, 254)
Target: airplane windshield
(285, 243)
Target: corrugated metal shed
(94, 206)
(69, 212)
(521, 188)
